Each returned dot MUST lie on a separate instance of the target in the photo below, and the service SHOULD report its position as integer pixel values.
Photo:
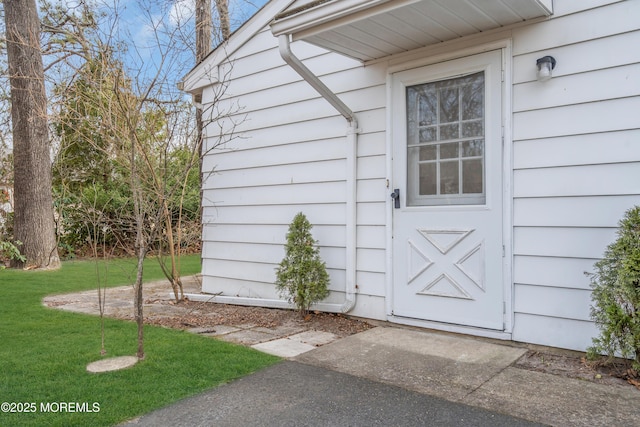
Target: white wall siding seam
(621, 162)
(595, 132)
(545, 285)
(577, 104)
(548, 316)
(525, 254)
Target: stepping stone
(295, 344)
(283, 347)
(112, 364)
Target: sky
(174, 13)
(147, 26)
(152, 29)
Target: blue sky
(159, 36)
(147, 27)
(174, 13)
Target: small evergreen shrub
(616, 294)
(302, 276)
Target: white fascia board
(332, 11)
(203, 75)
(206, 73)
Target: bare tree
(138, 109)
(203, 26)
(33, 222)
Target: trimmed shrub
(302, 276)
(616, 294)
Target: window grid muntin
(415, 143)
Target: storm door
(447, 182)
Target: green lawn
(44, 353)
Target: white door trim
(507, 153)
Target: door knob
(396, 198)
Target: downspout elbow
(312, 79)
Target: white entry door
(447, 182)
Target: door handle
(396, 198)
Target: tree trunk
(137, 300)
(203, 29)
(141, 249)
(34, 224)
(203, 47)
(141, 243)
(173, 275)
(223, 14)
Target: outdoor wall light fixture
(545, 66)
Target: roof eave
(350, 27)
(321, 12)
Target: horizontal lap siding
(576, 157)
(288, 155)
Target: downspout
(352, 144)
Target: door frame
(443, 54)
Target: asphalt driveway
(295, 394)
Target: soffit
(372, 29)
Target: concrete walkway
(477, 373)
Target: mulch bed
(611, 372)
(208, 315)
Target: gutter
(352, 144)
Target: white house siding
(576, 159)
(291, 157)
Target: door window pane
(428, 111)
(428, 179)
(449, 105)
(428, 134)
(472, 176)
(445, 142)
(448, 132)
(472, 148)
(448, 151)
(473, 100)
(449, 178)
(429, 152)
(472, 129)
